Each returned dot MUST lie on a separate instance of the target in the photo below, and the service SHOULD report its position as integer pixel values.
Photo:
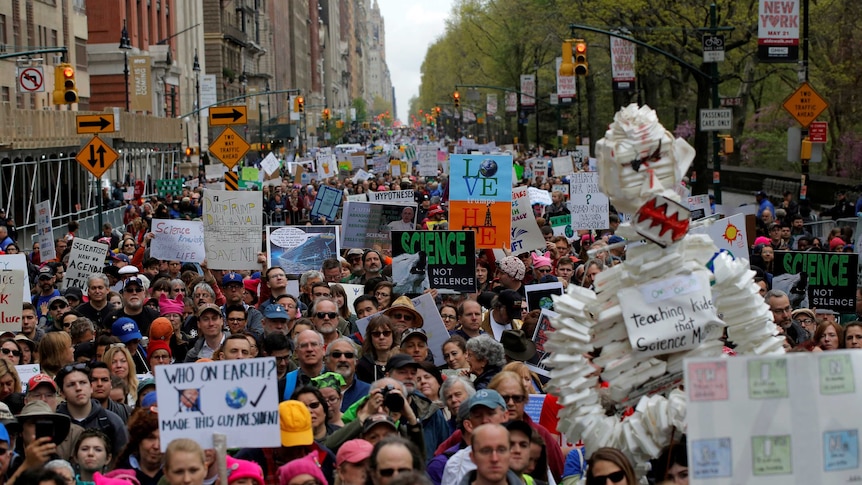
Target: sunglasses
(381, 333)
(402, 316)
(515, 398)
(388, 472)
(336, 354)
(57, 306)
(73, 367)
(330, 315)
(314, 405)
(16, 353)
(615, 477)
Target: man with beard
(354, 257)
(45, 281)
(324, 315)
(97, 289)
(372, 265)
(435, 429)
(341, 356)
(134, 297)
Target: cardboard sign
(730, 441)
(85, 258)
(11, 285)
(327, 203)
(232, 225)
(729, 233)
(367, 225)
(214, 171)
(539, 196)
(444, 260)
(18, 261)
(670, 315)
(176, 240)
(526, 235)
(327, 166)
(393, 197)
(297, 249)
(563, 166)
(588, 206)
(699, 206)
(480, 178)
(817, 280)
(44, 231)
(238, 398)
(427, 160)
(270, 164)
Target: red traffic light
(456, 95)
(68, 72)
(581, 47)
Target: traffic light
(339, 124)
(65, 91)
(299, 104)
(457, 97)
(566, 66)
(581, 66)
(437, 111)
(191, 151)
(326, 114)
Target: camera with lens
(393, 401)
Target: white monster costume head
(639, 159)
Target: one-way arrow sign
(102, 123)
(228, 115)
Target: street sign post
(229, 147)
(228, 115)
(102, 123)
(805, 105)
(720, 119)
(96, 156)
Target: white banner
(11, 284)
(778, 30)
(393, 196)
(566, 86)
(587, 204)
(491, 104)
(86, 257)
(511, 102)
(45, 231)
(232, 228)
(176, 240)
(526, 235)
(237, 398)
(214, 171)
(670, 315)
(623, 58)
(209, 94)
(528, 90)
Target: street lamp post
(125, 45)
(196, 67)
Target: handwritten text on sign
(11, 282)
(238, 398)
(587, 204)
(178, 240)
(232, 226)
(670, 315)
(86, 258)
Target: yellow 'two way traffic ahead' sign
(805, 104)
(229, 147)
(96, 156)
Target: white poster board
(11, 285)
(770, 420)
(327, 166)
(728, 233)
(18, 261)
(238, 398)
(564, 188)
(393, 197)
(26, 372)
(176, 240)
(526, 235)
(232, 228)
(563, 166)
(699, 206)
(539, 196)
(45, 231)
(270, 164)
(587, 204)
(86, 257)
(427, 160)
(214, 171)
(353, 292)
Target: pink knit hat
(762, 240)
(540, 261)
(171, 306)
(239, 469)
(308, 465)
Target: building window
(80, 6)
(81, 54)
(4, 94)
(3, 30)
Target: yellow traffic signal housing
(457, 97)
(326, 114)
(65, 91)
(805, 152)
(565, 139)
(299, 104)
(581, 65)
(566, 66)
(728, 145)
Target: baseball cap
(376, 419)
(57, 298)
(120, 257)
(355, 252)
(46, 272)
(486, 397)
(761, 193)
(128, 269)
(295, 421)
(149, 381)
(615, 239)
(230, 278)
(126, 330)
(414, 332)
(276, 312)
(73, 292)
(40, 379)
(353, 451)
(400, 361)
(208, 307)
(133, 281)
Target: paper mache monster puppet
(671, 299)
